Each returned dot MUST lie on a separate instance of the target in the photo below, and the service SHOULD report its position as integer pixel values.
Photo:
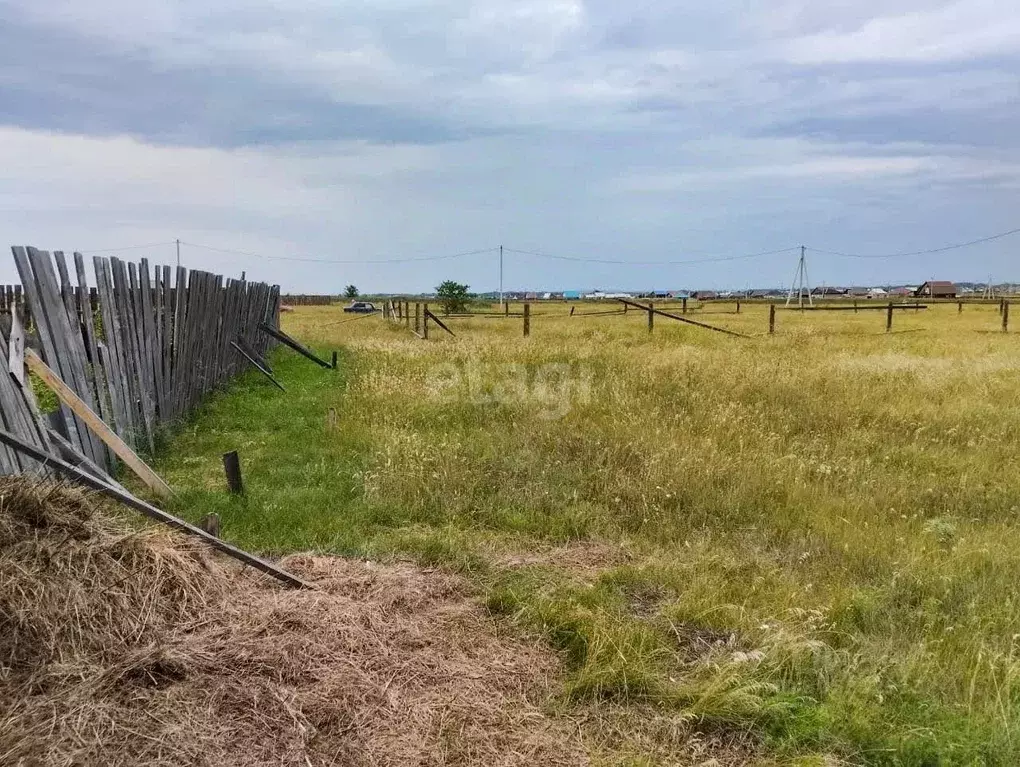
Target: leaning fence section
(141, 348)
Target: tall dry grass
(819, 526)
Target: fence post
(738, 306)
(527, 320)
(1001, 302)
(407, 314)
(683, 305)
(1005, 316)
(917, 305)
(772, 319)
(959, 307)
(232, 468)
(888, 318)
(651, 317)
(625, 308)
(506, 308)
(417, 317)
(425, 321)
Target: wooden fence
(11, 295)
(141, 348)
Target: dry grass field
(789, 549)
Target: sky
(654, 144)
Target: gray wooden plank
(111, 358)
(95, 371)
(147, 387)
(132, 359)
(20, 414)
(52, 320)
(179, 339)
(84, 385)
(32, 298)
(148, 329)
(166, 347)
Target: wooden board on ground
(283, 338)
(82, 477)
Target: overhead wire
(709, 259)
(561, 257)
(128, 247)
(304, 259)
(905, 254)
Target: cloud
(956, 31)
(439, 126)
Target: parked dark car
(361, 307)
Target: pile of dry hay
(127, 647)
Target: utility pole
(178, 254)
(500, 276)
(800, 281)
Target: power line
(711, 259)
(128, 247)
(340, 261)
(942, 249)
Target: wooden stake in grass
(888, 318)
(425, 321)
(417, 317)
(527, 320)
(738, 307)
(407, 314)
(651, 317)
(772, 319)
(1005, 316)
(683, 306)
(232, 468)
(210, 523)
(959, 307)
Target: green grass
(810, 537)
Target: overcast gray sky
(591, 129)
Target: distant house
(760, 294)
(877, 293)
(556, 296)
(828, 292)
(679, 294)
(531, 296)
(704, 295)
(858, 292)
(901, 292)
(571, 295)
(936, 289)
